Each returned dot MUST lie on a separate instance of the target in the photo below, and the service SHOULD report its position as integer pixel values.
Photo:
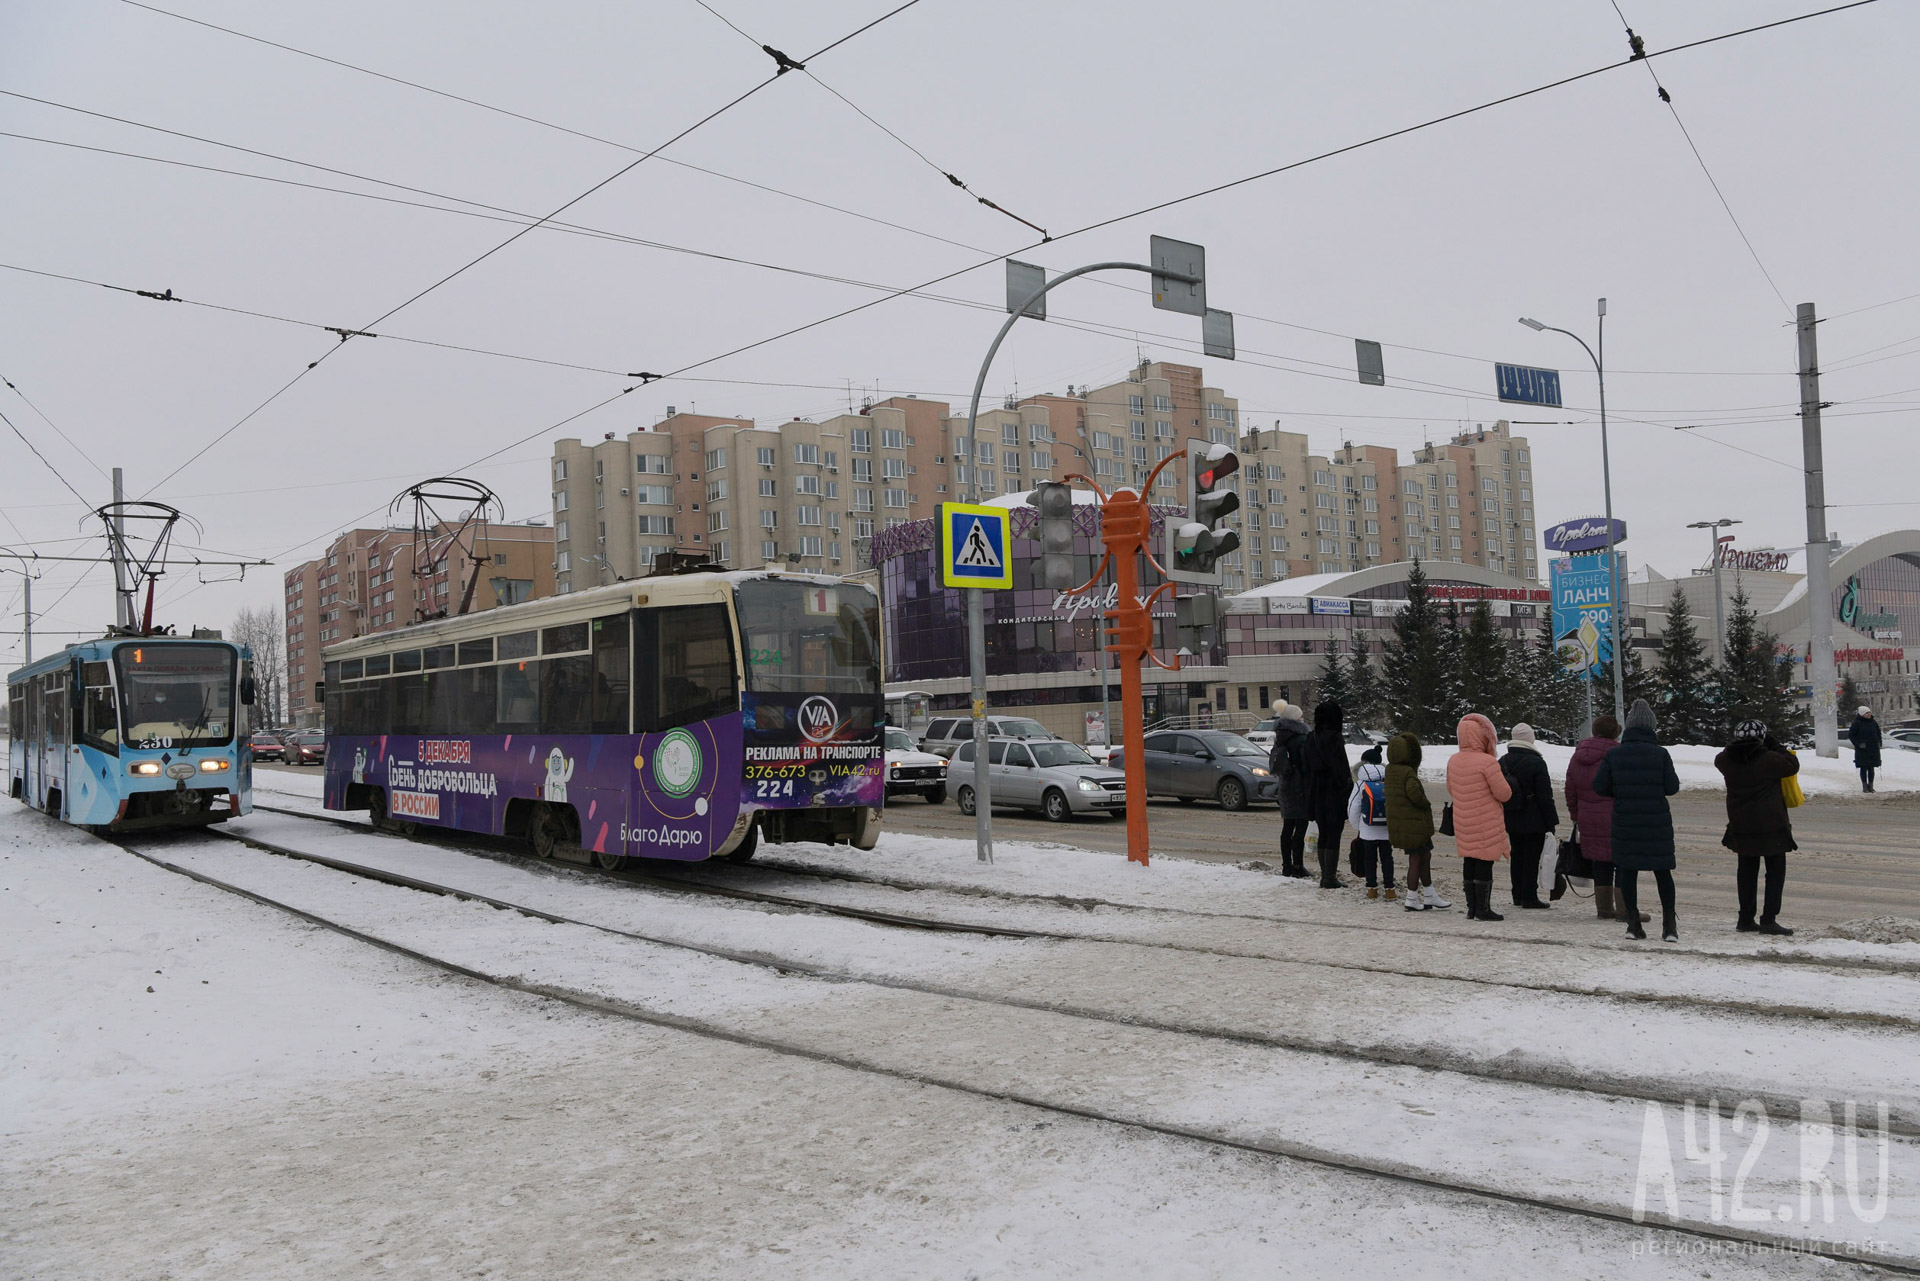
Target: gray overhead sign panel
(1024, 280)
(1373, 366)
(1216, 333)
(1185, 288)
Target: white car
(1050, 775)
(1261, 735)
(911, 770)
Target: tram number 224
(767, 789)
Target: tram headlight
(212, 765)
(145, 769)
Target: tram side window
(57, 707)
(684, 666)
(612, 668)
(407, 704)
(518, 699)
(475, 699)
(101, 724)
(17, 711)
(564, 686)
(363, 708)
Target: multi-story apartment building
(366, 583)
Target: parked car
(306, 747)
(1206, 763)
(1261, 735)
(1909, 739)
(267, 746)
(1051, 775)
(946, 734)
(912, 770)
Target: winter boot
(1603, 901)
(1433, 900)
(1414, 903)
(1480, 902)
(1745, 925)
(1771, 926)
(1634, 929)
(1388, 894)
(1669, 928)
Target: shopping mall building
(1044, 657)
(1043, 650)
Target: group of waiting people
(1502, 807)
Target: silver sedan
(1052, 776)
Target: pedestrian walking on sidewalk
(1758, 829)
(1329, 780)
(1592, 813)
(1864, 734)
(1410, 821)
(1367, 811)
(1286, 761)
(1480, 792)
(1531, 813)
(1638, 775)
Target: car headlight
(894, 770)
(1088, 785)
(1257, 772)
(212, 765)
(145, 769)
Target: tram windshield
(810, 638)
(176, 695)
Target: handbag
(1446, 820)
(1790, 789)
(1354, 863)
(1571, 869)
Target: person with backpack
(1329, 781)
(1410, 821)
(1639, 776)
(1286, 763)
(1480, 793)
(1530, 813)
(1367, 811)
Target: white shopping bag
(1549, 860)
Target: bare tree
(261, 631)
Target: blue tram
(134, 732)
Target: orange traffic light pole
(1124, 525)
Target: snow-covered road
(453, 1126)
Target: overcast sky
(1066, 114)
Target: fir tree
(1687, 702)
(1850, 699)
(1486, 675)
(1555, 701)
(1450, 703)
(1414, 677)
(1333, 685)
(1363, 683)
(1756, 679)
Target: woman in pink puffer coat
(1479, 791)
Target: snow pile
(1880, 929)
(1899, 770)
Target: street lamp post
(1618, 585)
(26, 576)
(1713, 528)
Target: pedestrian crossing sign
(974, 545)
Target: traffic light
(1054, 501)
(1196, 545)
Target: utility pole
(27, 626)
(1826, 728)
(116, 546)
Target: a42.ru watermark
(1702, 1161)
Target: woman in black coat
(1329, 783)
(1864, 734)
(1287, 762)
(1757, 826)
(1639, 776)
(1531, 813)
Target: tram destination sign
(1526, 385)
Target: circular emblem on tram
(819, 718)
(676, 763)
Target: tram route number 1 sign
(975, 546)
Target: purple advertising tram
(684, 716)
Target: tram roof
(64, 655)
(593, 602)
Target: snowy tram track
(1615, 973)
(922, 1052)
(1511, 1068)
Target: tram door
(53, 757)
(32, 744)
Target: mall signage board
(1588, 534)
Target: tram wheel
(546, 830)
(748, 844)
(609, 860)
